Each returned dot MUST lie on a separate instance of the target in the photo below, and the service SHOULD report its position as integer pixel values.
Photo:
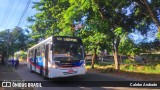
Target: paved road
(90, 77)
(25, 74)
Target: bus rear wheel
(43, 75)
(31, 69)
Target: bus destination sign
(67, 39)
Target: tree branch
(152, 15)
(144, 4)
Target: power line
(13, 12)
(9, 11)
(25, 20)
(24, 12)
(4, 16)
(27, 15)
(8, 15)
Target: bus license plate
(70, 71)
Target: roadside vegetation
(145, 70)
(128, 66)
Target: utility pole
(8, 33)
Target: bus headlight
(83, 65)
(52, 65)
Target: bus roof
(54, 39)
(49, 38)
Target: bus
(57, 56)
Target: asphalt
(7, 73)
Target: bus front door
(46, 59)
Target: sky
(14, 12)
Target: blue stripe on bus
(76, 64)
(39, 60)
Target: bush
(128, 67)
(140, 68)
(128, 61)
(149, 68)
(131, 67)
(157, 67)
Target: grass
(137, 72)
(142, 68)
(128, 67)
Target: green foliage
(3, 40)
(106, 26)
(157, 67)
(141, 68)
(148, 47)
(128, 67)
(149, 68)
(23, 54)
(118, 31)
(128, 61)
(158, 35)
(15, 39)
(92, 41)
(127, 47)
(49, 21)
(20, 54)
(131, 67)
(147, 14)
(59, 17)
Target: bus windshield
(68, 52)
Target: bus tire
(43, 75)
(31, 69)
(41, 70)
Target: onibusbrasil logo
(20, 84)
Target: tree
(150, 47)
(108, 17)
(46, 22)
(148, 12)
(93, 41)
(150, 9)
(13, 40)
(129, 48)
(112, 18)
(3, 40)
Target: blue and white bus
(57, 56)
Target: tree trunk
(115, 53)
(116, 60)
(93, 58)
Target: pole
(8, 31)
